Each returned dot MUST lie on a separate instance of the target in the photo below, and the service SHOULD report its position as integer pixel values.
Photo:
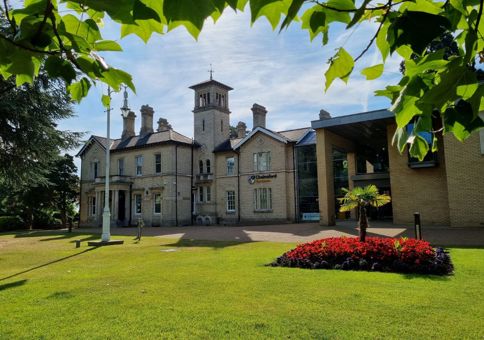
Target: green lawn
(50, 289)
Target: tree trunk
(363, 223)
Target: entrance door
(122, 205)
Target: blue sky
(282, 71)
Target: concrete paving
(303, 232)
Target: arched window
(200, 166)
(208, 166)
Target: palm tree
(362, 197)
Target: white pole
(106, 235)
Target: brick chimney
(259, 116)
(241, 129)
(128, 126)
(323, 114)
(163, 125)
(146, 120)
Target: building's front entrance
(122, 206)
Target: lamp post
(106, 233)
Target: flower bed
(403, 255)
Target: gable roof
(210, 82)
(155, 138)
(93, 139)
(287, 136)
(265, 131)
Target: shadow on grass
(61, 295)
(47, 264)
(53, 235)
(426, 277)
(12, 284)
(203, 243)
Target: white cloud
(283, 72)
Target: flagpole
(106, 232)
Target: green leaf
(143, 12)
(291, 13)
(87, 30)
(372, 72)
(188, 13)
(106, 100)
(314, 20)
(382, 42)
(431, 62)
(358, 14)
(79, 89)
(336, 16)
(115, 78)
(341, 66)
(271, 9)
(58, 67)
(107, 45)
(446, 89)
(416, 29)
(418, 147)
(400, 138)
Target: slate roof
(155, 138)
(210, 82)
(287, 136)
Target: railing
(204, 177)
(113, 178)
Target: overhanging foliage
(69, 43)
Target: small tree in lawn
(361, 198)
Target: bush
(401, 255)
(11, 223)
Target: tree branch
(479, 15)
(27, 47)
(389, 4)
(48, 10)
(10, 20)
(67, 52)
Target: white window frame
(94, 169)
(138, 165)
(230, 164)
(136, 196)
(121, 167)
(258, 164)
(263, 199)
(92, 205)
(208, 194)
(156, 163)
(155, 196)
(230, 200)
(208, 166)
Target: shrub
(401, 255)
(11, 223)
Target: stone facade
(212, 179)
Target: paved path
(303, 232)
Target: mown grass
(49, 289)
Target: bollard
(78, 243)
(417, 226)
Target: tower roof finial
(211, 71)
(125, 95)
